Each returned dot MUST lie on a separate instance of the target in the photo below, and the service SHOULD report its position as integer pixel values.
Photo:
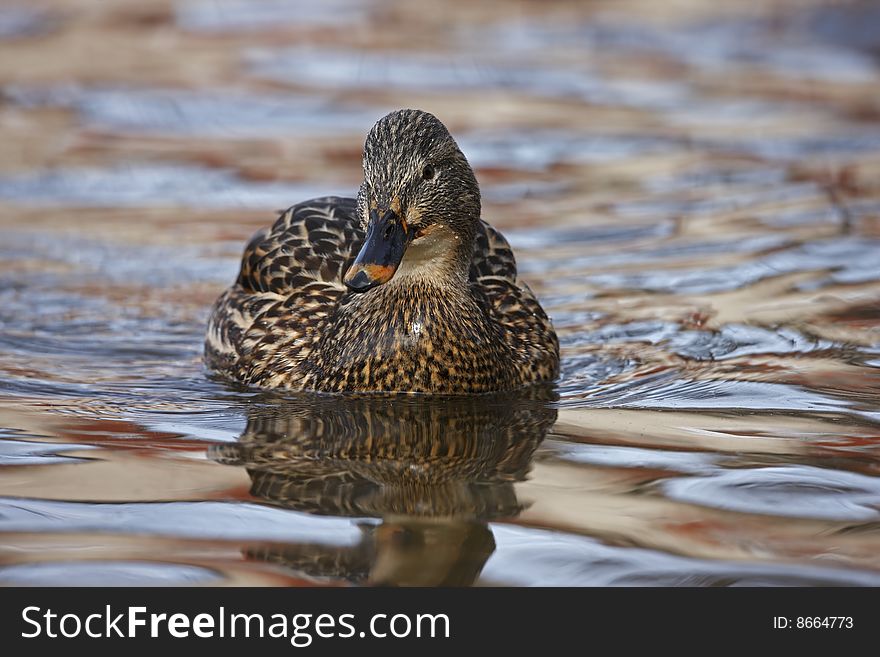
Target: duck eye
(427, 172)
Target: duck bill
(380, 256)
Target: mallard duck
(404, 289)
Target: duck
(403, 289)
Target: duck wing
(493, 257)
(289, 282)
(311, 242)
(526, 327)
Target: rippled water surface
(693, 192)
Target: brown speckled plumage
(454, 318)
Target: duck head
(419, 204)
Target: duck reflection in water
(435, 471)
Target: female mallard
(404, 290)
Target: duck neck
(440, 258)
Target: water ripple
(106, 573)
(528, 557)
(141, 185)
(791, 491)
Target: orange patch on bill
(380, 273)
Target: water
(693, 197)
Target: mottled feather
(282, 322)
